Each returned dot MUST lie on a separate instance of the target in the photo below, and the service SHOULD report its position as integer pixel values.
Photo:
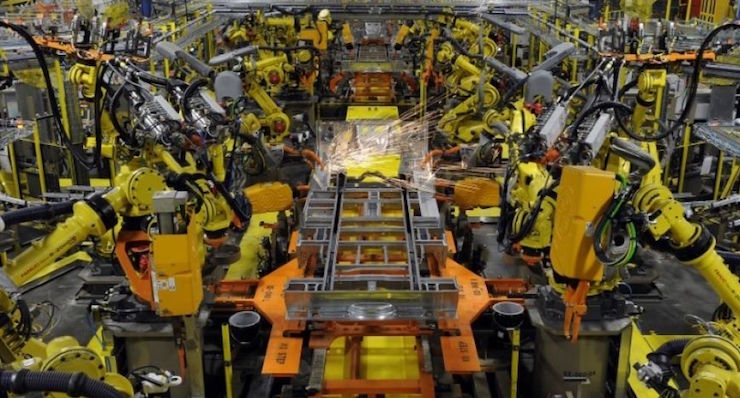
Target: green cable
(631, 230)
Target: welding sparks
(369, 143)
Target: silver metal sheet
(372, 246)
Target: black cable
(112, 106)
(597, 107)
(512, 92)
(506, 208)
(293, 48)
(291, 12)
(26, 320)
(76, 152)
(528, 224)
(683, 117)
(630, 85)
(74, 384)
(230, 168)
(97, 110)
(615, 78)
(192, 88)
(695, 75)
(152, 79)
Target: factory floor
(683, 290)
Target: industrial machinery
(342, 198)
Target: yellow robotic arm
(465, 80)
(270, 71)
(60, 359)
(691, 243)
(215, 214)
(274, 118)
(90, 217)
(711, 363)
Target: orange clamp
(575, 309)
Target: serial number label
(282, 355)
(464, 350)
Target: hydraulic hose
(112, 110)
(192, 88)
(667, 351)
(76, 152)
(662, 358)
(32, 213)
(695, 75)
(152, 79)
(627, 87)
(72, 384)
(693, 87)
(593, 109)
(683, 117)
(97, 111)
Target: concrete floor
(684, 291)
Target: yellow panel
(389, 357)
(170, 257)
(177, 282)
(179, 294)
(490, 212)
(62, 263)
(94, 182)
(356, 112)
(251, 247)
(269, 197)
(583, 195)
(387, 165)
(381, 358)
(476, 192)
(337, 364)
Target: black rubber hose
(683, 118)
(600, 106)
(230, 168)
(695, 75)
(192, 88)
(26, 320)
(528, 224)
(32, 213)
(221, 188)
(73, 384)
(291, 12)
(153, 80)
(78, 153)
(672, 348)
(293, 48)
(112, 106)
(615, 79)
(507, 209)
(98, 105)
(622, 91)
(667, 351)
